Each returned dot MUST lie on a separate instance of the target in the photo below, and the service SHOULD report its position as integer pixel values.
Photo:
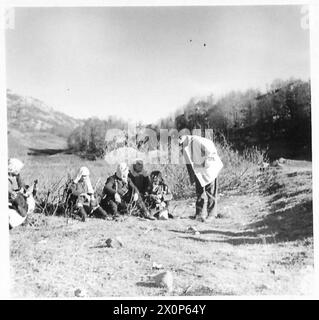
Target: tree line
(278, 121)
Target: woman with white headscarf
(21, 201)
(203, 165)
(80, 196)
(14, 169)
(119, 192)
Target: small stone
(192, 229)
(79, 293)
(157, 266)
(164, 279)
(113, 243)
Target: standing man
(203, 165)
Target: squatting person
(158, 195)
(139, 176)
(21, 201)
(80, 196)
(120, 193)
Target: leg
(80, 210)
(211, 191)
(99, 212)
(200, 193)
(167, 208)
(143, 209)
(112, 208)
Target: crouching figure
(20, 196)
(158, 196)
(120, 195)
(80, 197)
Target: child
(159, 195)
(119, 193)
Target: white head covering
(84, 172)
(15, 166)
(182, 139)
(122, 171)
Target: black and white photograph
(158, 151)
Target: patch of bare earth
(263, 244)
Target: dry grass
(262, 245)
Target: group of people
(129, 190)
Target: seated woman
(139, 176)
(120, 193)
(80, 196)
(158, 195)
(21, 201)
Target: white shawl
(201, 154)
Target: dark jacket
(141, 182)
(115, 185)
(74, 190)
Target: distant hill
(33, 124)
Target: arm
(20, 182)
(167, 193)
(108, 187)
(132, 185)
(147, 183)
(74, 190)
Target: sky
(143, 63)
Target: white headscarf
(15, 166)
(84, 172)
(182, 139)
(122, 171)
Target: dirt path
(261, 245)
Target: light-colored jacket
(201, 154)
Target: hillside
(33, 124)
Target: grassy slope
(19, 143)
(262, 245)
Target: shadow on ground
(283, 223)
(47, 152)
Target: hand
(135, 198)
(117, 198)
(13, 195)
(85, 196)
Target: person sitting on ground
(80, 196)
(120, 194)
(158, 195)
(21, 201)
(139, 176)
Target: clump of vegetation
(239, 174)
